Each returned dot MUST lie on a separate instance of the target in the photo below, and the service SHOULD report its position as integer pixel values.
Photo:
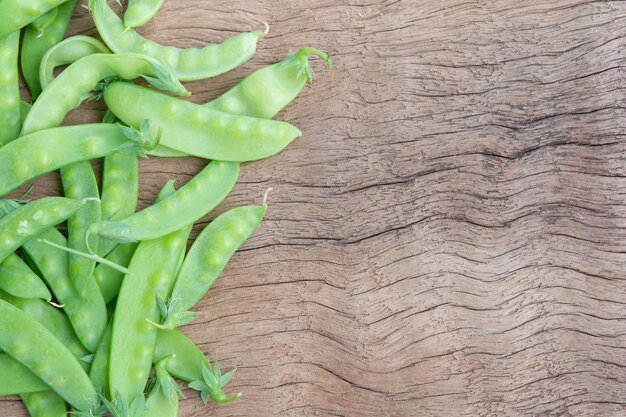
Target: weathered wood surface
(448, 238)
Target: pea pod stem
(91, 256)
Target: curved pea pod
(29, 220)
(18, 13)
(9, 87)
(185, 358)
(110, 280)
(67, 52)
(51, 149)
(44, 404)
(35, 43)
(265, 92)
(192, 201)
(73, 85)
(151, 275)
(17, 279)
(208, 257)
(52, 319)
(29, 342)
(15, 378)
(198, 130)
(188, 64)
(139, 12)
(85, 310)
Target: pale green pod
(17, 279)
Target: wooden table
(448, 237)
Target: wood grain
(448, 238)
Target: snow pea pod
(186, 359)
(20, 225)
(67, 52)
(86, 311)
(208, 257)
(15, 378)
(192, 201)
(197, 130)
(79, 182)
(28, 341)
(188, 64)
(44, 404)
(9, 86)
(35, 44)
(69, 89)
(133, 339)
(110, 280)
(263, 93)
(139, 12)
(15, 14)
(120, 189)
(98, 372)
(51, 149)
(17, 279)
(52, 319)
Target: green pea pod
(67, 52)
(72, 86)
(208, 257)
(110, 280)
(79, 182)
(44, 404)
(197, 130)
(17, 279)
(51, 149)
(52, 319)
(185, 359)
(133, 338)
(15, 378)
(36, 42)
(86, 311)
(263, 93)
(99, 366)
(29, 342)
(29, 220)
(192, 201)
(120, 189)
(9, 86)
(18, 13)
(188, 64)
(139, 12)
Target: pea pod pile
(92, 291)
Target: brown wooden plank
(448, 237)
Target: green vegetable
(10, 110)
(198, 130)
(188, 64)
(36, 42)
